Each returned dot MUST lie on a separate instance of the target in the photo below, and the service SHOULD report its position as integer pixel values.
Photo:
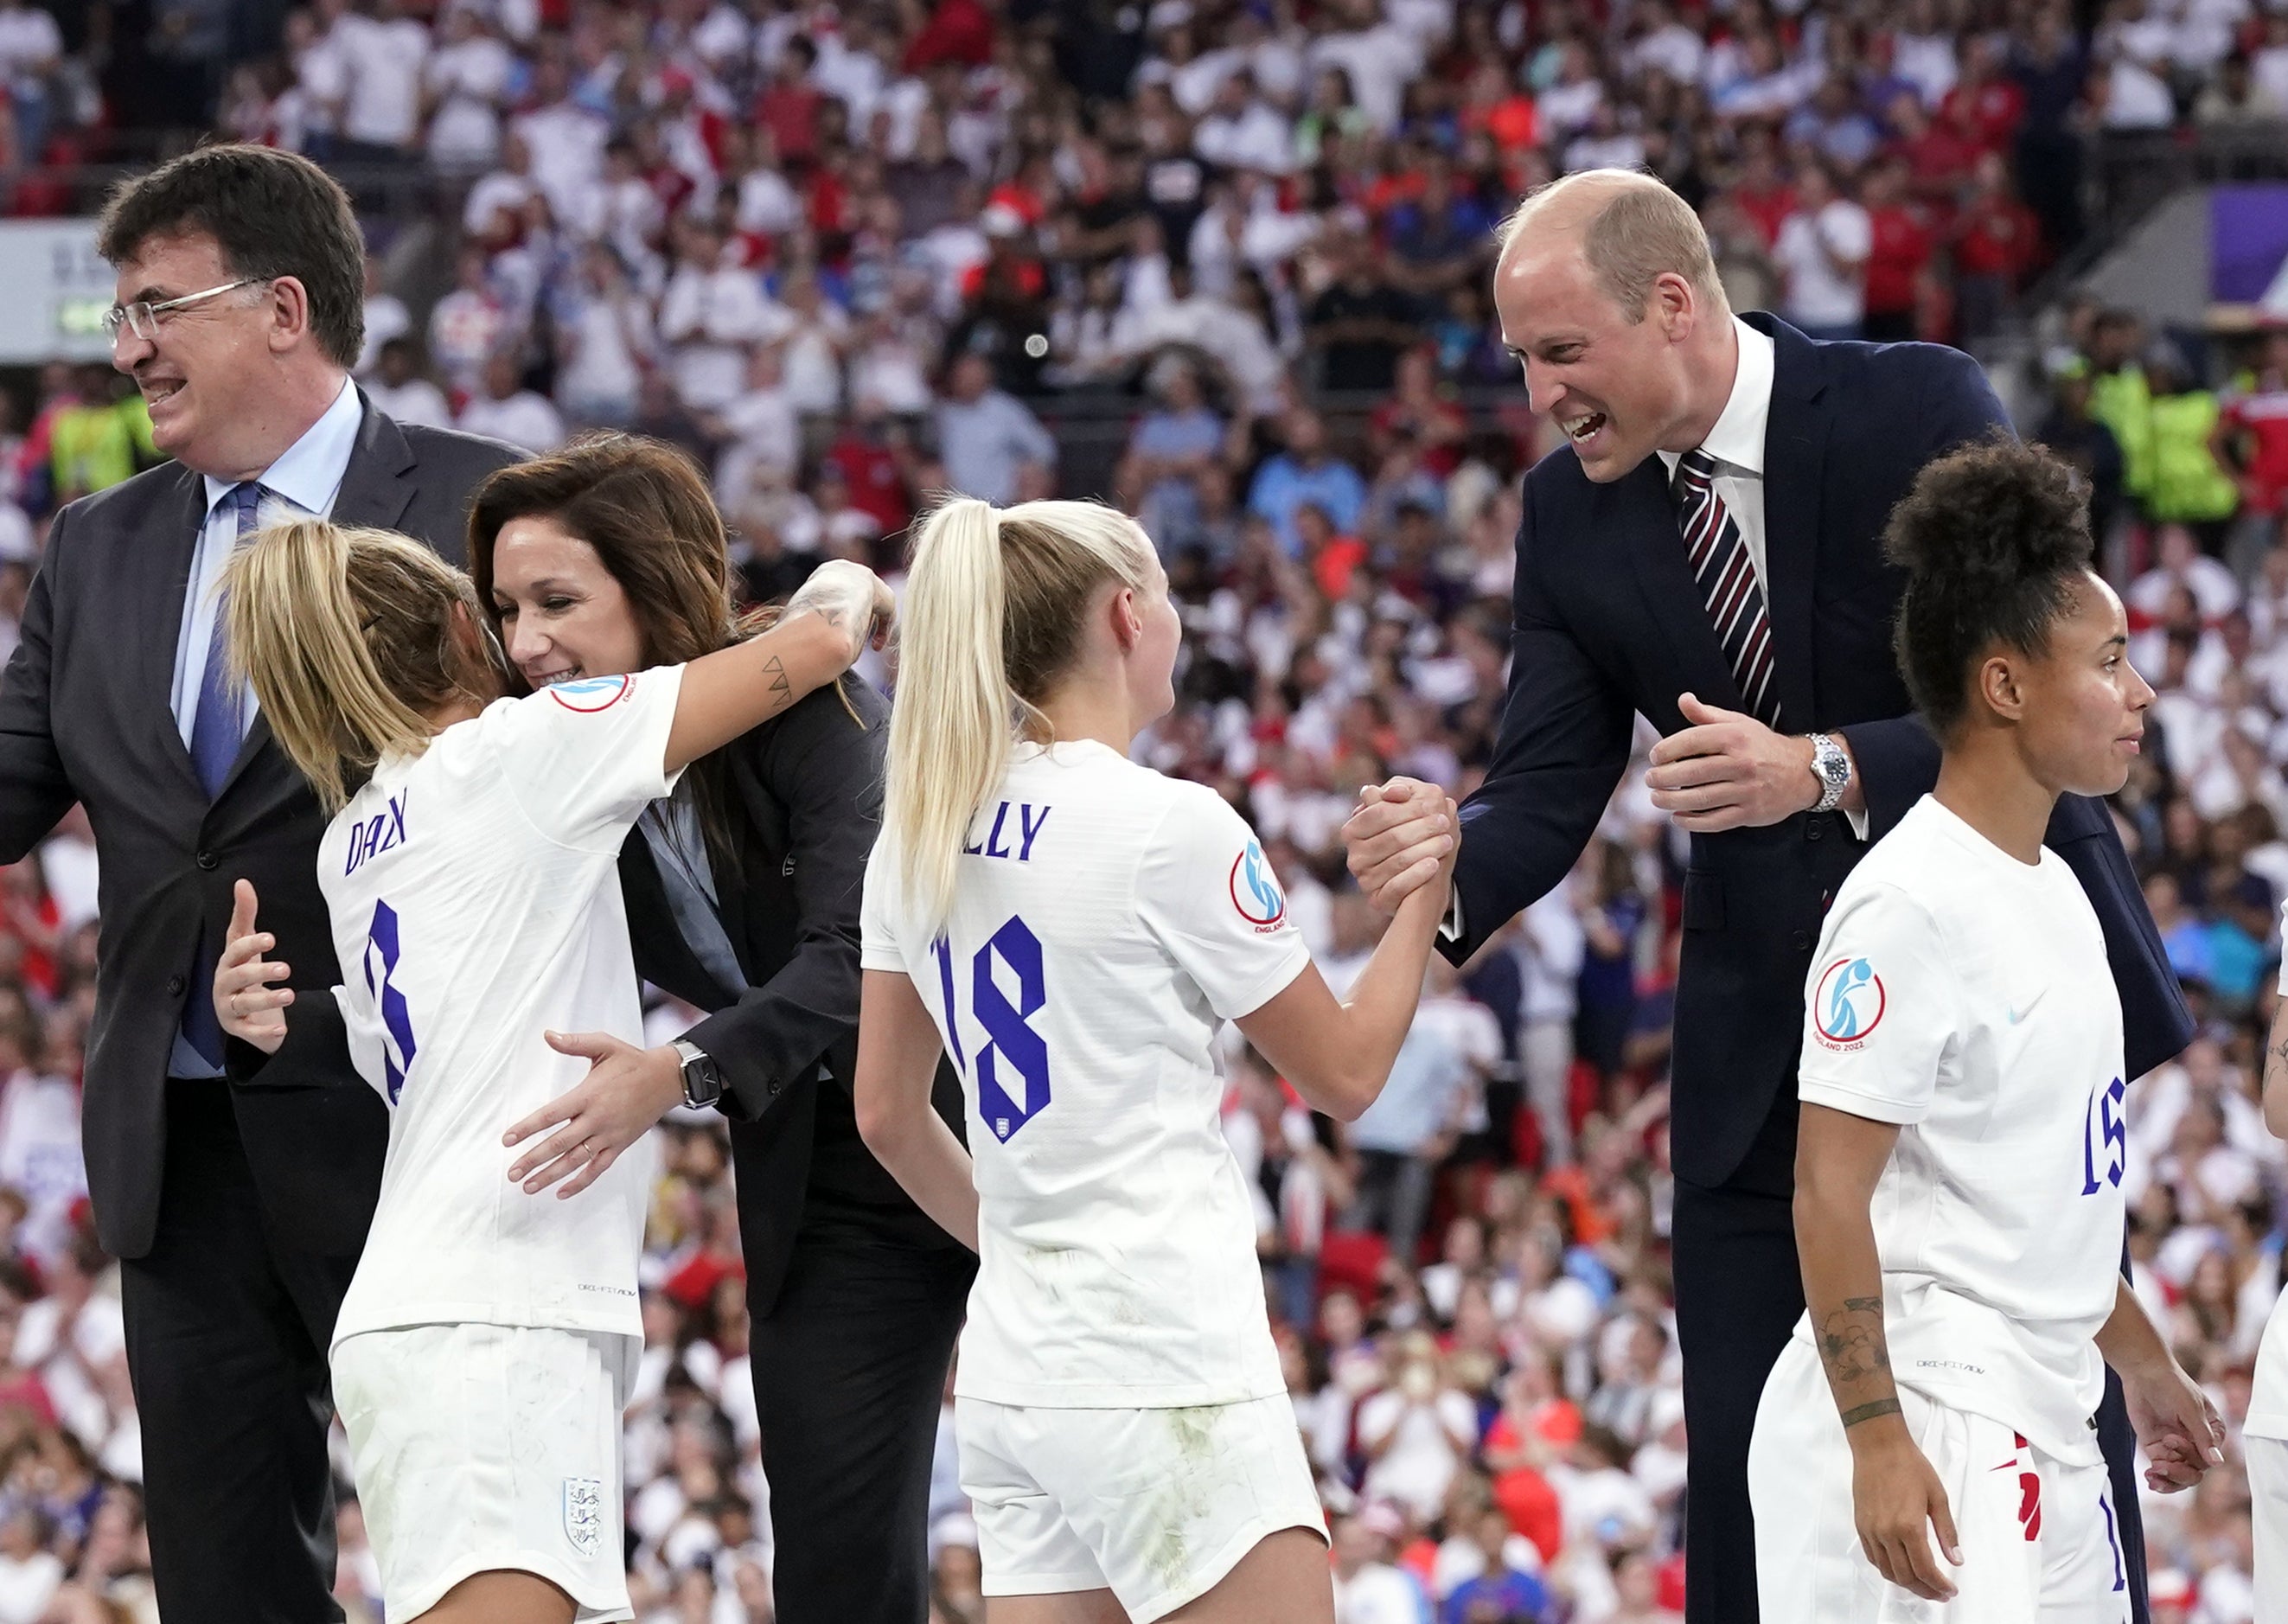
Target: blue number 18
(1011, 1072)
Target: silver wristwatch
(703, 1079)
(1832, 767)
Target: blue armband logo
(1848, 1004)
(1255, 890)
(590, 695)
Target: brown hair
(645, 508)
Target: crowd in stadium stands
(850, 255)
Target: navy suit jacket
(1609, 623)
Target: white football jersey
(475, 898)
(1105, 922)
(2268, 1398)
(1966, 996)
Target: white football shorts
(2268, 1511)
(1157, 1505)
(2038, 1541)
(479, 1448)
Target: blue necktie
(216, 730)
(215, 734)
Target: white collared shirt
(306, 479)
(1736, 442)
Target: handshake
(1402, 838)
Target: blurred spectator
(398, 389)
(851, 261)
(504, 409)
(1822, 251)
(988, 439)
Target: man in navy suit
(1707, 550)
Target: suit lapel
(1795, 444)
(183, 514)
(379, 485)
(376, 488)
(1638, 508)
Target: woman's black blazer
(808, 793)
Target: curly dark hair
(271, 213)
(1993, 538)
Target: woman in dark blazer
(742, 894)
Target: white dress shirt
(304, 480)
(1736, 442)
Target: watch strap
(703, 1081)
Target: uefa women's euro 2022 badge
(1255, 890)
(1847, 1004)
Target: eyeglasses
(141, 318)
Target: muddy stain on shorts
(1191, 1428)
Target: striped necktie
(217, 729)
(1727, 576)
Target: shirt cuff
(1450, 928)
(1858, 821)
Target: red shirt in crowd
(1987, 113)
(2260, 417)
(959, 31)
(1515, 122)
(1996, 236)
(1902, 247)
(790, 112)
(1767, 208)
(877, 489)
(1938, 160)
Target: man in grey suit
(237, 1203)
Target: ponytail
(348, 639)
(992, 618)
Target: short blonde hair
(348, 637)
(1633, 232)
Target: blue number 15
(1011, 1069)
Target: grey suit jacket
(85, 715)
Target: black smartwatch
(703, 1079)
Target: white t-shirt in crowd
(1818, 294)
(469, 79)
(1105, 922)
(1378, 1593)
(525, 418)
(475, 898)
(1966, 996)
(383, 63)
(2268, 1398)
(417, 400)
(30, 40)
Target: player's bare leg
(1282, 1581)
(504, 1596)
(1059, 1607)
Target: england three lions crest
(583, 1514)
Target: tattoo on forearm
(1869, 1411)
(2276, 1061)
(1851, 1341)
(782, 690)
